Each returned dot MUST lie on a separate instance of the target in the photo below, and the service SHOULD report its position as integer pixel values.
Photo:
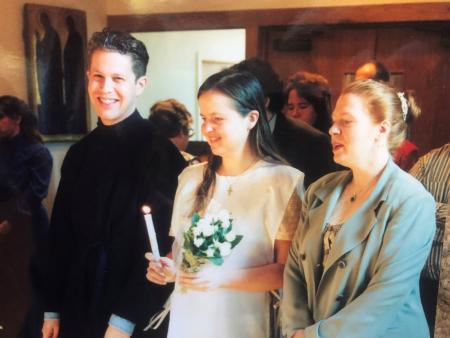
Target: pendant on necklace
(229, 190)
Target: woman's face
(354, 134)
(300, 109)
(224, 128)
(8, 127)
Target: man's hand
(112, 332)
(50, 328)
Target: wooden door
(417, 56)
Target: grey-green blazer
(370, 282)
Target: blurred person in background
(373, 70)
(25, 171)
(308, 99)
(173, 121)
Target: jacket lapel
(322, 205)
(359, 225)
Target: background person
(173, 121)
(308, 99)
(433, 171)
(25, 171)
(354, 266)
(373, 70)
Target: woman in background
(25, 170)
(245, 176)
(173, 121)
(354, 266)
(308, 99)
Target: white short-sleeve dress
(264, 204)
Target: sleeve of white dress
(291, 218)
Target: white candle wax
(151, 231)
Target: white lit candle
(151, 230)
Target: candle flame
(146, 209)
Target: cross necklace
(237, 177)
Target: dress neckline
(245, 172)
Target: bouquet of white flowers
(209, 238)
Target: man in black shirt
(96, 274)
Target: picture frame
(55, 41)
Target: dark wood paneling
(420, 55)
(417, 51)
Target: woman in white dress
(245, 176)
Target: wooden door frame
(255, 22)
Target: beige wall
(12, 71)
(117, 7)
(12, 53)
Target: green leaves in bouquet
(195, 254)
(236, 241)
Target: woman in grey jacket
(354, 264)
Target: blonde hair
(414, 110)
(383, 103)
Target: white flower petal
(198, 242)
(225, 249)
(231, 236)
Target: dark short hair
(315, 89)
(381, 71)
(15, 108)
(171, 118)
(123, 43)
(269, 80)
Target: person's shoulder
(402, 186)
(437, 154)
(41, 151)
(328, 181)
(193, 171)
(304, 129)
(280, 169)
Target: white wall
(174, 64)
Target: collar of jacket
(360, 223)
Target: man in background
(373, 70)
(433, 171)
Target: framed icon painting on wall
(55, 48)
